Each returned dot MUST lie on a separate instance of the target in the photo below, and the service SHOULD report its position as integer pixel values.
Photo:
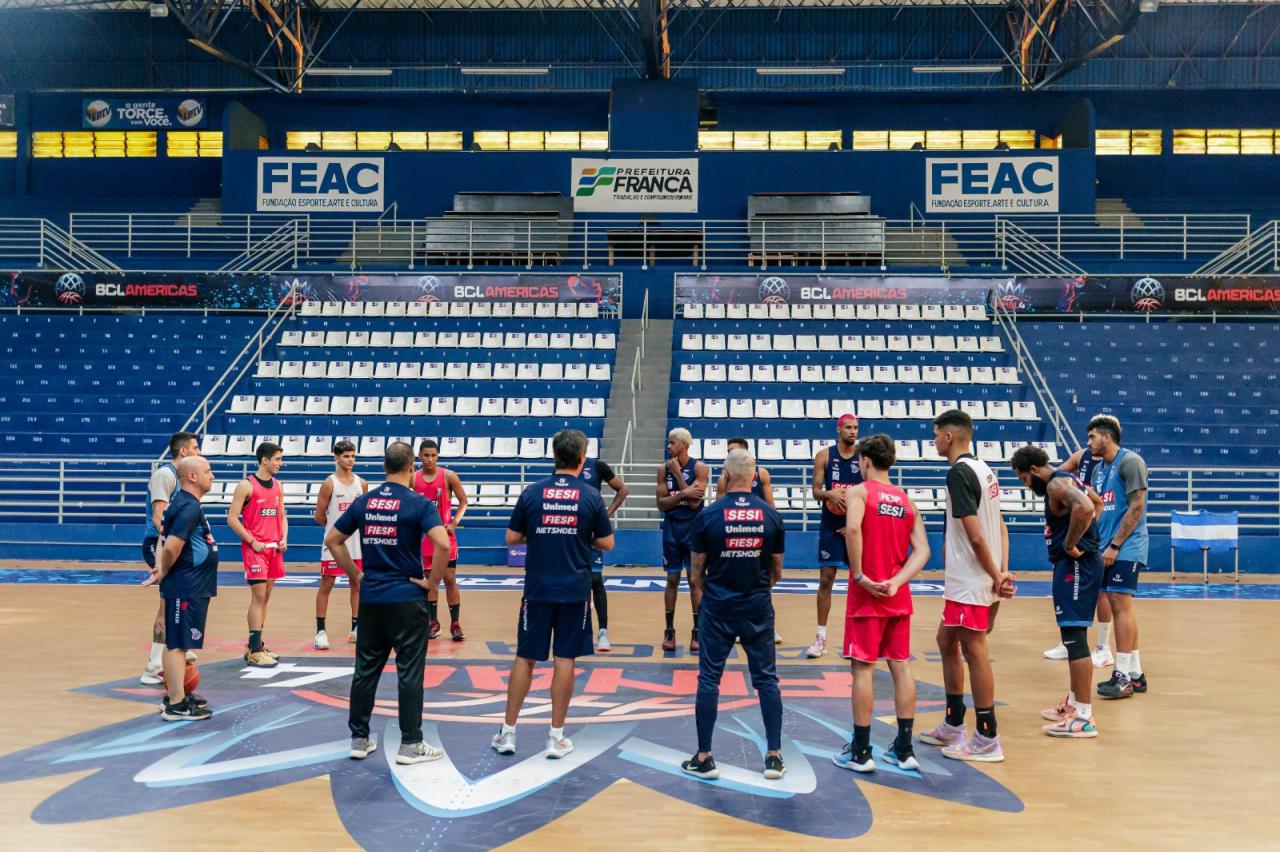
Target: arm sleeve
(964, 489)
(161, 485)
(182, 522)
(351, 520)
(605, 473)
(603, 526)
(520, 515)
(1133, 473)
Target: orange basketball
(190, 678)
(835, 508)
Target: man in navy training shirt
(391, 519)
(737, 558)
(187, 571)
(560, 518)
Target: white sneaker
(351, 637)
(152, 676)
(602, 641)
(321, 642)
(817, 649)
(191, 657)
(1102, 658)
(557, 749)
(418, 753)
(503, 743)
(777, 638)
(1057, 652)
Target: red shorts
(329, 568)
(429, 550)
(969, 616)
(267, 565)
(871, 638)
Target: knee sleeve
(1077, 641)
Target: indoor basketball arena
(616, 424)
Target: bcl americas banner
(150, 114)
(991, 184)
(635, 186)
(320, 184)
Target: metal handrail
(1257, 252)
(276, 250)
(1028, 367)
(1030, 254)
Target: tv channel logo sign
(991, 184)
(321, 184)
(103, 114)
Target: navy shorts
(149, 550)
(677, 555)
(1076, 583)
(597, 561)
(184, 623)
(562, 629)
(1122, 577)
(832, 550)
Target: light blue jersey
(1115, 502)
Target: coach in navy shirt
(561, 518)
(391, 519)
(737, 546)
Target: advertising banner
(7, 117)
(264, 291)
(321, 184)
(634, 186)
(1026, 184)
(143, 114)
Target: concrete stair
(923, 245)
(649, 434)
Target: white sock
(1104, 634)
(557, 734)
(822, 631)
(1135, 666)
(157, 655)
(1122, 663)
(508, 729)
(1084, 711)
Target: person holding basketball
(835, 469)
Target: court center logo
(1147, 294)
(69, 288)
(632, 720)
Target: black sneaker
(774, 768)
(693, 642)
(859, 760)
(1118, 687)
(197, 700)
(1139, 682)
(185, 710)
(903, 757)
(701, 768)
(669, 639)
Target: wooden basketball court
(85, 761)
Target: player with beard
(835, 469)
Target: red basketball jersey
(886, 541)
(262, 511)
(437, 491)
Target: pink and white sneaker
(817, 649)
(944, 735)
(1057, 714)
(976, 748)
(1072, 725)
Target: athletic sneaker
(693, 642)
(701, 768)
(1102, 657)
(1072, 725)
(777, 638)
(669, 639)
(270, 653)
(858, 761)
(904, 758)
(321, 642)
(197, 700)
(558, 748)
(152, 677)
(503, 743)
(351, 636)
(774, 768)
(817, 649)
(191, 657)
(455, 632)
(1059, 712)
(362, 747)
(261, 660)
(184, 711)
(944, 735)
(411, 753)
(1118, 687)
(434, 630)
(977, 748)
(1057, 652)
(1139, 682)
(602, 641)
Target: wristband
(858, 579)
(1111, 545)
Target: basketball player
(339, 490)
(442, 487)
(596, 473)
(761, 486)
(257, 515)
(392, 521)
(737, 558)
(561, 520)
(682, 485)
(161, 489)
(974, 548)
(1071, 534)
(187, 573)
(1120, 478)
(835, 469)
(887, 547)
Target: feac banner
(143, 114)
(1089, 294)
(634, 186)
(1025, 184)
(264, 291)
(320, 184)
(7, 117)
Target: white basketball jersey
(964, 579)
(339, 501)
